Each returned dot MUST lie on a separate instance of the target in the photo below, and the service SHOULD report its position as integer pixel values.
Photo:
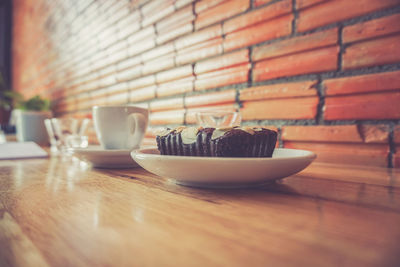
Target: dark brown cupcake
(217, 142)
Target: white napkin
(21, 150)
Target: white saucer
(103, 158)
(224, 172)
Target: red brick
(221, 62)
(142, 82)
(100, 101)
(191, 113)
(296, 44)
(153, 131)
(396, 158)
(142, 94)
(173, 33)
(270, 30)
(396, 135)
(199, 36)
(307, 3)
(107, 81)
(130, 73)
(203, 5)
(67, 104)
(157, 52)
(83, 115)
(118, 46)
(117, 56)
(142, 105)
(100, 63)
(372, 53)
(141, 46)
(223, 97)
(337, 133)
(146, 142)
(386, 81)
(182, 3)
(345, 153)
(174, 74)
(257, 16)
(158, 64)
(221, 12)
(175, 87)
(261, 2)
(57, 94)
(370, 29)
(107, 37)
(167, 117)
(165, 104)
(234, 75)
(338, 10)
(363, 107)
(118, 99)
(117, 88)
(110, 70)
(285, 90)
(137, 3)
(374, 133)
(145, 33)
(183, 16)
(90, 86)
(314, 61)
(149, 139)
(99, 95)
(200, 51)
(83, 101)
(129, 25)
(156, 10)
(294, 108)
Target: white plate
(103, 158)
(224, 172)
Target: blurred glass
(218, 119)
(2, 137)
(50, 132)
(77, 141)
(66, 133)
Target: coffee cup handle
(137, 124)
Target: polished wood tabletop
(61, 212)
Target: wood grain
(61, 212)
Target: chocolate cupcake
(217, 142)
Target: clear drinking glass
(77, 141)
(63, 128)
(218, 118)
(50, 133)
(66, 133)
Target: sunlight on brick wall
(326, 73)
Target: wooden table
(60, 212)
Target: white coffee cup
(120, 127)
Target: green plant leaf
(35, 103)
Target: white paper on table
(21, 150)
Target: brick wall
(325, 73)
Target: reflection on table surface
(59, 211)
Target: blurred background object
(65, 133)
(325, 74)
(5, 61)
(30, 126)
(218, 119)
(28, 116)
